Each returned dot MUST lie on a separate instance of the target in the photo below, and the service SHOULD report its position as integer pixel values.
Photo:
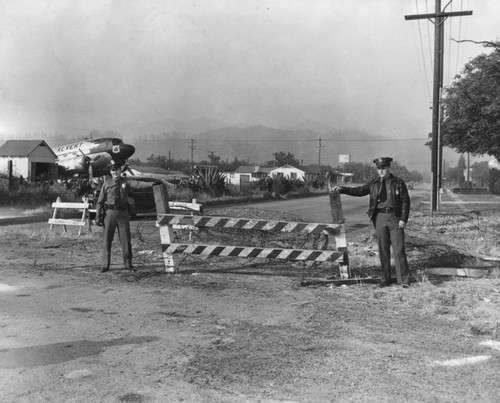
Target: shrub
(35, 194)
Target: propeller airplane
(92, 157)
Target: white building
(246, 174)
(31, 159)
(287, 172)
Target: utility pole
(320, 146)
(192, 147)
(468, 168)
(439, 19)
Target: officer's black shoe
(383, 284)
(104, 269)
(406, 285)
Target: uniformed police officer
(389, 209)
(112, 212)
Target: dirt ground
(237, 330)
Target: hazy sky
(78, 65)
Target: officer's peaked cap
(383, 162)
(115, 165)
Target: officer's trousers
(389, 233)
(117, 219)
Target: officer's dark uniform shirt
(382, 200)
(115, 192)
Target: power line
(459, 36)
(422, 55)
(449, 44)
(287, 140)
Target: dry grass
(471, 235)
(474, 301)
(450, 239)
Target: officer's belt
(113, 207)
(385, 210)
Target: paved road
(317, 209)
(313, 209)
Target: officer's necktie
(382, 197)
(117, 194)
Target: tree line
(361, 172)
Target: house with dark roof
(320, 173)
(31, 159)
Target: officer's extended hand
(335, 189)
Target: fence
(166, 222)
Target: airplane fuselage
(94, 155)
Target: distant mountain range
(166, 125)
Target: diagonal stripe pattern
(251, 224)
(251, 252)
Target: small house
(288, 172)
(32, 159)
(244, 174)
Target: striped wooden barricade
(168, 221)
(336, 230)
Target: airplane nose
(126, 151)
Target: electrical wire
(302, 140)
(421, 59)
(459, 36)
(450, 26)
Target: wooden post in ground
(338, 218)
(166, 233)
(336, 207)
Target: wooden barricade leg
(166, 232)
(86, 216)
(54, 216)
(166, 236)
(341, 242)
(82, 219)
(54, 213)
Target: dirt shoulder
(239, 330)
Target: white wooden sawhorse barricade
(166, 222)
(58, 205)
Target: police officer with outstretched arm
(113, 213)
(389, 209)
